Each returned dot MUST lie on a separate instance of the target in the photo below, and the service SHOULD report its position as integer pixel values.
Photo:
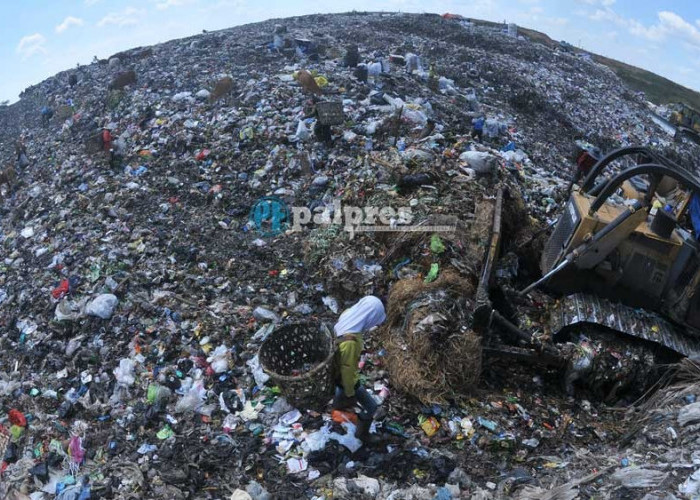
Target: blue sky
(39, 38)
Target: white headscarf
(366, 314)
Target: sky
(39, 38)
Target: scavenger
(365, 315)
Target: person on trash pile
(21, 152)
(478, 128)
(362, 317)
(46, 114)
(106, 139)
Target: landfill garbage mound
(140, 275)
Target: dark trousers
(364, 399)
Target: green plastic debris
(165, 433)
(395, 428)
(152, 393)
(16, 432)
(433, 273)
(34, 392)
(436, 244)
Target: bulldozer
(686, 120)
(621, 270)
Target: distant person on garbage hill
(21, 152)
(362, 317)
(46, 114)
(106, 139)
(478, 128)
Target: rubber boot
(362, 433)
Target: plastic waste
(340, 416)
(260, 313)
(102, 306)
(374, 69)
(443, 494)
(689, 414)
(193, 399)
(432, 273)
(239, 494)
(296, 465)
(480, 161)
(125, 372)
(348, 439)
(691, 486)
(633, 477)
(219, 359)
(317, 440)
(488, 424)
(69, 310)
(436, 244)
(258, 374)
(331, 304)
(158, 394)
(430, 426)
(303, 133)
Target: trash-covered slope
(134, 293)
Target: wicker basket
(330, 112)
(288, 349)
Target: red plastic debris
(61, 290)
(17, 417)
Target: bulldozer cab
(628, 236)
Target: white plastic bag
(219, 359)
(125, 372)
(316, 440)
(258, 374)
(303, 133)
(102, 306)
(480, 161)
(348, 439)
(193, 399)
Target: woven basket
(293, 347)
(330, 112)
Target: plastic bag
(348, 439)
(691, 486)
(102, 306)
(192, 400)
(374, 69)
(480, 161)
(303, 133)
(69, 310)
(317, 440)
(125, 372)
(219, 359)
(258, 374)
(331, 304)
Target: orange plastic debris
(340, 417)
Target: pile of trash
(150, 246)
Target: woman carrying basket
(368, 313)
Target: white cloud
(68, 22)
(31, 44)
(128, 16)
(90, 3)
(676, 25)
(166, 4)
(669, 24)
(558, 21)
(604, 3)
